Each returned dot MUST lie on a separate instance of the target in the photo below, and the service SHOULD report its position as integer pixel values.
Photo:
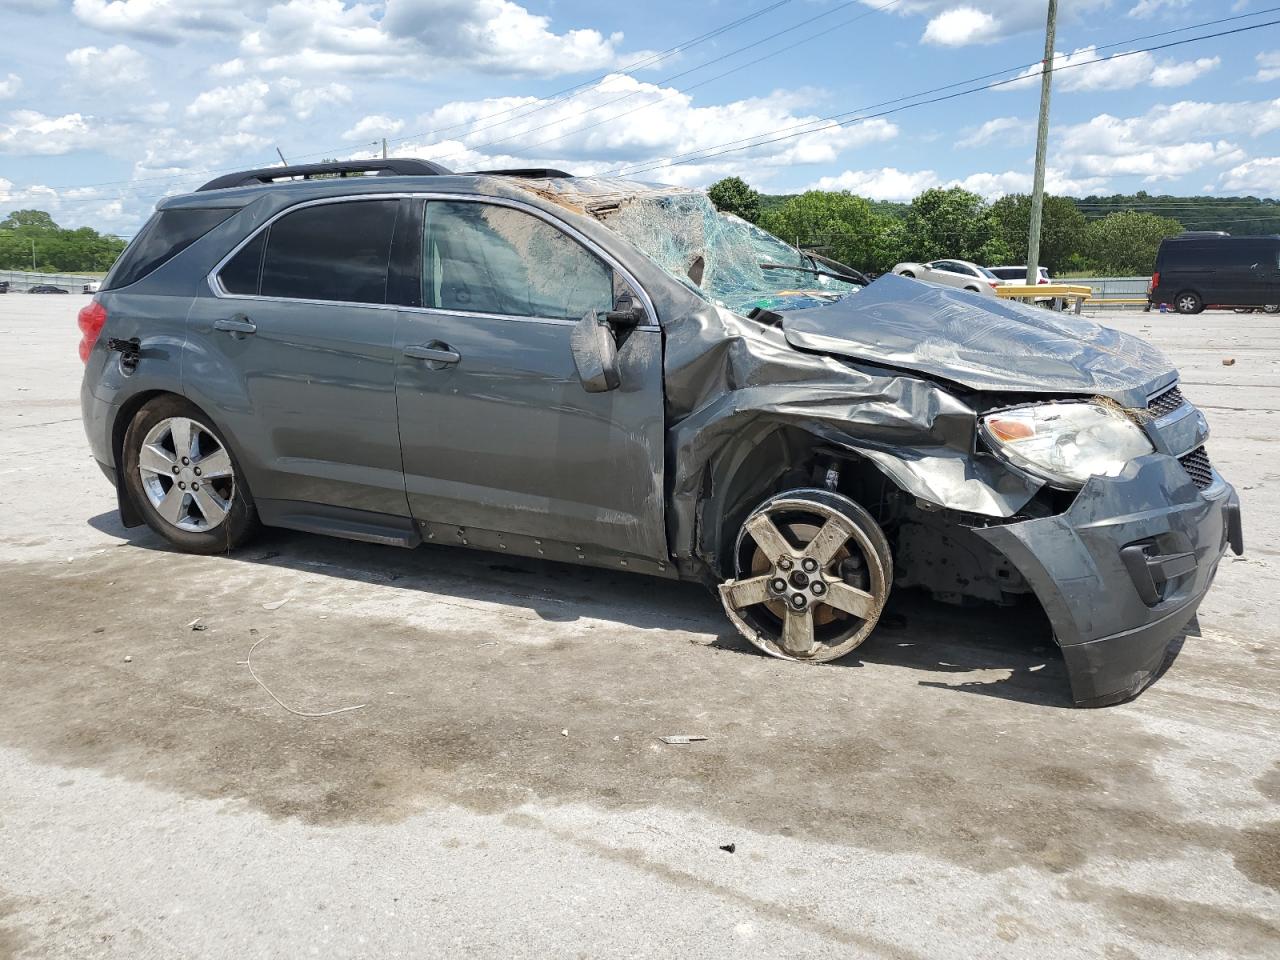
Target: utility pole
(384, 148)
(33, 254)
(1042, 148)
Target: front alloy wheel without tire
(813, 572)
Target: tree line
(1101, 235)
(28, 233)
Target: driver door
(496, 429)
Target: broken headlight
(1066, 443)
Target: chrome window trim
(216, 287)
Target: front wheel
(908, 274)
(184, 479)
(1271, 308)
(1188, 302)
(812, 574)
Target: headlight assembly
(1066, 443)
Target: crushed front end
(1122, 571)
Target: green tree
(838, 225)
(56, 249)
(1125, 244)
(734, 195)
(951, 223)
(1062, 229)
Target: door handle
(435, 351)
(238, 326)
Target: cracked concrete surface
(932, 795)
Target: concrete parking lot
(502, 792)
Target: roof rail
(528, 173)
(396, 167)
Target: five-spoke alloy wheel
(183, 478)
(186, 474)
(812, 574)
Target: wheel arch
(767, 460)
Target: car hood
(979, 342)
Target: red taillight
(91, 321)
(1044, 280)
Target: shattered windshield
(724, 258)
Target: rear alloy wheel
(1188, 303)
(183, 478)
(1271, 308)
(812, 574)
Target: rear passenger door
(497, 430)
(295, 351)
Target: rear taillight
(91, 321)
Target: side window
(244, 271)
(332, 251)
(485, 258)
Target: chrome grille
(1165, 403)
(1198, 468)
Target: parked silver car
(612, 373)
(952, 273)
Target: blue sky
(106, 105)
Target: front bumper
(1122, 572)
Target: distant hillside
(1244, 216)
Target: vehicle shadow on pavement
(1003, 652)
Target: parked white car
(952, 273)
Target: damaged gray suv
(612, 373)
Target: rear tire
(1188, 302)
(1271, 308)
(908, 274)
(185, 480)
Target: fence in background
(1114, 293)
(21, 280)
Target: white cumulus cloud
(1005, 129)
(10, 86)
(115, 68)
(960, 27)
(1260, 175)
(1268, 66)
(1084, 70)
(374, 125)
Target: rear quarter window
(164, 236)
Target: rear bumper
(1122, 572)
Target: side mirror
(595, 354)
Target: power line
(628, 69)
(701, 83)
(836, 120)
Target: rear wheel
(812, 574)
(1271, 308)
(1188, 302)
(184, 478)
(908, 273)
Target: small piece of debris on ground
(275, 604)
(682, 738)
(1229, 362)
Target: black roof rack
(395, 167)
(528, 173)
